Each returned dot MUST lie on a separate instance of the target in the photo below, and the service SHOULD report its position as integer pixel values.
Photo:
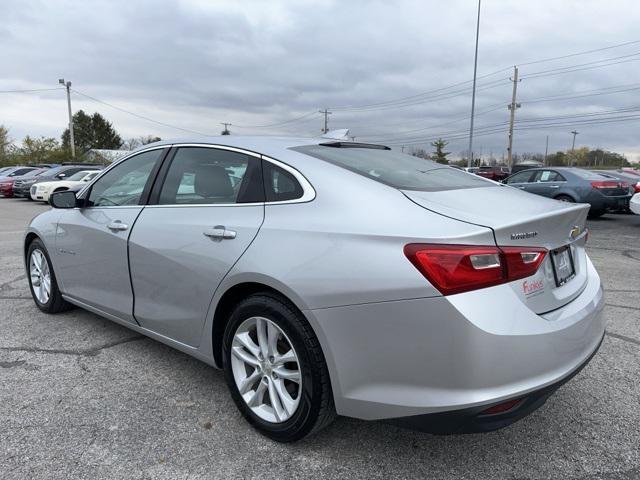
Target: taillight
(460, 268)
(604, 184)
(636, 187)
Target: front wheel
(42, 280)
(275, 369)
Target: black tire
(596, 213)
(565, 198)
(316, 409)
(55, 303)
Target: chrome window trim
(308, 192)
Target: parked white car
(42, 191)
(634, 204)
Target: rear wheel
(275, 369)
(42, 280)
(565, 198)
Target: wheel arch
(229, 299)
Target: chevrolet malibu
(328, 277)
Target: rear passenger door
(546, 183)
(205, 210)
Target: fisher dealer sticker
(531, 288)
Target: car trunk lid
(524, 220)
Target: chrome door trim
(308, 192)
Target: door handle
(219, 232)
(554, 186)
(117, 226)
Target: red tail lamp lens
(460, 268)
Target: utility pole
(71, 139)
(226, 128)
(573, 144)
(546, 150)
(512, 116)
(473, 91)
(326, 119)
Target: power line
(137, 115)
(585, 52)
(32, 90)
(292, 120)
(587, 65)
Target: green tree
(5, 144)
(92, 132)
(440, 155)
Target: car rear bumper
(475, 420)
(452, 354)
(602, 202)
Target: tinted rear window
(396, 169)
(586, 174)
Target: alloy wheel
(40, 276)
(266, 369)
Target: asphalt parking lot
(81, 397)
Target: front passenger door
(208, 210)
(91, 242)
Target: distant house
(98, 155)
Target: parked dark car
(496, 172)
(51, 175)
(633, 180)
(8, 185)
(15, 172)
(574, 185)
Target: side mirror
(61, 176)
(65, 199)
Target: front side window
(124, 183)
(199, 175)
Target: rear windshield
(586, 174)
(396, 169)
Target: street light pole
(473, 92)
(71, 139)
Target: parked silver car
(331, 277)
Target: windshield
(395, 169)
(76, 177)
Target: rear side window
(548, 176)
(280, 185)
(396, 169)
(200, 175)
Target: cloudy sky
(393, 72)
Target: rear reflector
(501, 407)
(460, 268)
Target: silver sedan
(328, 277)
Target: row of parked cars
(605, 190)
(38, 182)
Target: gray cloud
(198, 63)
